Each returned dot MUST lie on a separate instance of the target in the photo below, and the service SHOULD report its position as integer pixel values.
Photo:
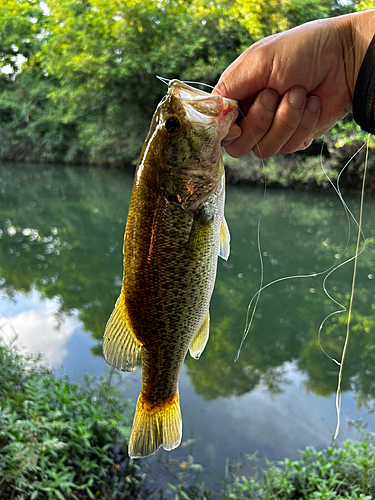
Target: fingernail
(233, 134)
(270, 99)
(297, 97)
(313, 104)
(228, 140)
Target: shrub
(60, 440)
(340, 472)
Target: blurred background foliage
(77, 81)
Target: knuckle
(304, 130)
(288, 148)
(287, 124)
(221, 88)
(261, 128)
(264, 151)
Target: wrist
(356, 32)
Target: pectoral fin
(121, 348)
(199, 341)
(224, 249)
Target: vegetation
(67, 441)
(78, 77)
(344, 472)
(60, 440)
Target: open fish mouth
(202, 108)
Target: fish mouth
(203, 109)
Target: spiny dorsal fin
(152, 428)
(121, 348)
(224, 249)
(199, 341)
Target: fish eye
(173, 124)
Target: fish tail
(155, 426)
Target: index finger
(243, 79)
(255, 124)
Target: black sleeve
(364, 92)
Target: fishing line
(348, 215)
(188, 82)
(357, 253)
(162, 79)
(261, 262)
(329, 270)
(261, 272)
(342, 309)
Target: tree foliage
(78, 81)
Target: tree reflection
(61, 233)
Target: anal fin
(121, 348)
(155, 426)
(199, 341)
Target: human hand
(294, 86)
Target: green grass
(60, 440)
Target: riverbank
(341, 154)
(60, 440)
(68, 441)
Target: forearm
(356, 32)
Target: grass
(60, 440)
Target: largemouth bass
(174, 232)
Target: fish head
(188, 127)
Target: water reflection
(43, 333)
(61, 233)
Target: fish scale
(174, 232)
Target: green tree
(87, 88)
(21, 24)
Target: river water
(61, 232)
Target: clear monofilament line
(162, 79)
(257, 295)
(251, 311)
(338, 391)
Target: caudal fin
(155, 427)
